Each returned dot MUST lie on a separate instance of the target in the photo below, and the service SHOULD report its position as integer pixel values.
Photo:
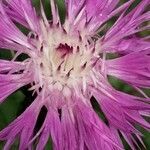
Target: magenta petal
(93, 13)
(136, 72)
(6, 66)
(95, 134)
(43, 138)
(127, 25)
(21, 127)
(11, 83)
(128, 45)
(69, 130)
(52, 127)
(8, 89)
(23, 12)
(77, 127)
(123, 110)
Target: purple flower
(67, 66)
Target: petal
(93, 131)
(127, 25)
(8, 30)
(43, 138)
(126, 46)
(136, 72)
(92, 13)
(52, 126)
(23, 127)
(11, 45)
(23, 12)
(69, 130)
(10, 83)
(6, 66)
(118, 106)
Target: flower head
(67, 66)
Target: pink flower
(67, 66)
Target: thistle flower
(67, 66)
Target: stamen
(65, 60)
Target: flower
(67, 66)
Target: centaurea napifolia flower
(67, 67)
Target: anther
(84, 65)
(68, 74)
(41, 48)
(64, 31)
(78, 49)
(41, 65)
(80, 37)
(59, 67)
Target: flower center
(65, 59)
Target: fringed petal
(9, 32)
(23, 127)
(128, 45)
(69, 130)
(92, 14)
(126, 26)
(13, 66)
(134, 68)
(24, 13)
(123, 110)
(11, 83)
(51, 127)
(96, 135)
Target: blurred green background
(18, 101)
